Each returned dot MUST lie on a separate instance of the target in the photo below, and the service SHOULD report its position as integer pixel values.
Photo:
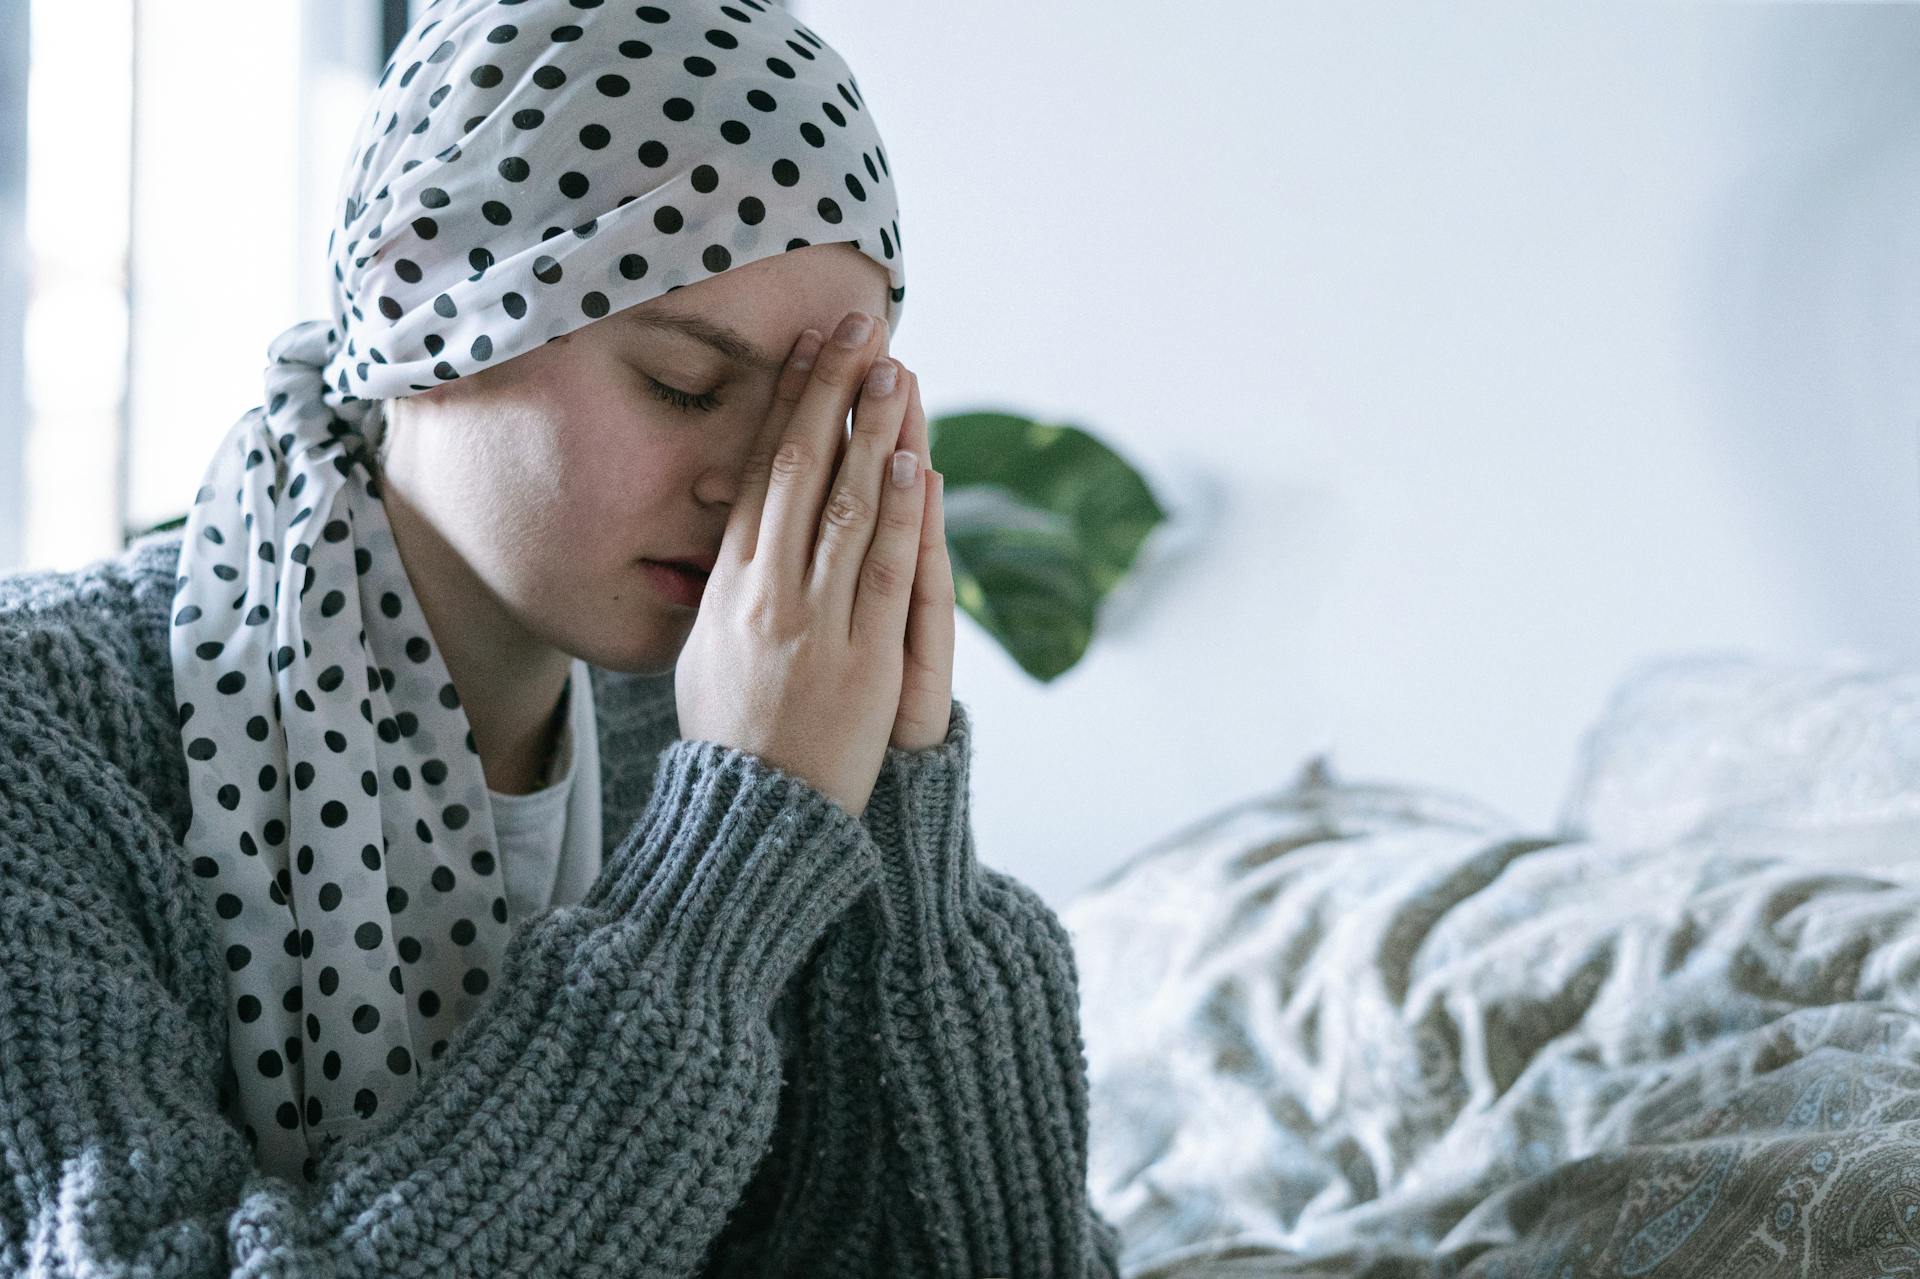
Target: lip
(704, 560)
(678, 585)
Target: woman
(402, 870)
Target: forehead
(723, 338)
(743, 312)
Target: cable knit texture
(773, 1040)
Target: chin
(639, 653)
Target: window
(180, 174)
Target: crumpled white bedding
(1375, 1030)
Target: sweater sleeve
(936, 1124)
(598, 1116)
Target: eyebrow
(718, 336)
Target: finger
(885, 580)
(938, 583)
(743, 522)
(802, 465)
(913, 429)
(847, 525)
(913, 435)
(930, 621)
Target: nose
(719, 485)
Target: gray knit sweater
(773, 1040)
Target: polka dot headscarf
(525, 168)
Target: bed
(1376, 1031)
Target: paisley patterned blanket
(1375, 1032)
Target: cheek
(624, 493)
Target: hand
(796, 654)
(926, 686)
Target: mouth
(681, 566)
(679, 582)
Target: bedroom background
(1482, 350)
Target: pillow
(1366, 1029)
(1211, 1122)
(1689, 740)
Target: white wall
(1520, 342)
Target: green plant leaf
(1043, 520)
(178, 521)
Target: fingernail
(883, 375)
(854, 329)
(806, 348)
(906, 463)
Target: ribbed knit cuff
(733, 872)
(920, 818)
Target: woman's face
(539, 484)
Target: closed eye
(684, 399)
